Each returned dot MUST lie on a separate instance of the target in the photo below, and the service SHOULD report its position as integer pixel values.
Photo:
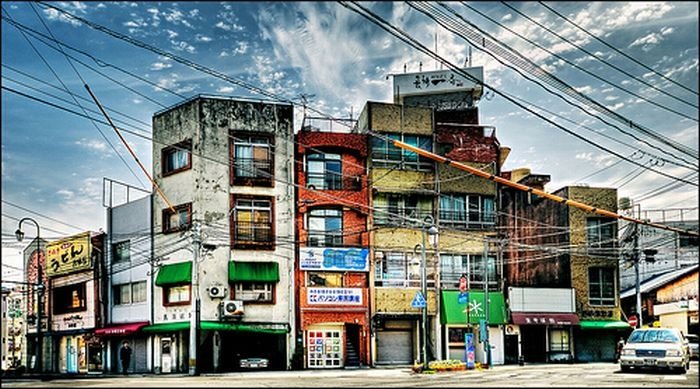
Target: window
(177, 295)
(138, 292)
(122, 294)
(601, 286)
(452, 266)
(558, 340)
(324, 171)
(252, 159)
(130, 293)
(402, 270)
(325, 279)
(69, 298)
(176, 158)
(397, 210)
(600, 234)
(253, 292)
(386, 155)
(467, 211)
(325, 228)
(324, 348)
(179, 220)
(252, 222)
(121, 252)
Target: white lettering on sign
(334, 296)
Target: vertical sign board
(469, 350)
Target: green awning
(603, 325)
(452, 312)
(213, 326)
(174, 274)
(167, 327)
(253, 271)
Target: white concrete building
(226, 167)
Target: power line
(522, 62)
(412, 42)
(44, 216)
(617, 50)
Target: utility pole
(487, 346)
(194, 320)
(635, 258)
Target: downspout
(150, 283)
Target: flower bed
(440, 366)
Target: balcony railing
(325, 239)
(400, 217)
(253, 233)
(333, 181)
(252, 168)
(467, 220)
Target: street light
(427, 228)
(40, 306)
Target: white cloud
(160, 65)
(242, 48)
(225, 89)
(171, 34)
(203, 38)
(92, 144)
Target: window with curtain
(467, 211)
(386, 155)
(176, 158)
(261, 292)
(178, 220)
(324, 171)
(325, 228)
(601, 286)
(558, 339)
(252, 158)
(177, 295)
(252, 222)
(138, 292)
(122, 294)
(324, 279)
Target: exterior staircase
(352, 357)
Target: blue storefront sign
(334, 259)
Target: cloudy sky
(639, 60)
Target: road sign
(419, 301)
(463, 284)
(462, 298)
(632, 321)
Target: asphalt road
(574, 375)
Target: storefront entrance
(534, 343)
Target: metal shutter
(394, 347)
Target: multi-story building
(562, 272)
(128, 278)
(75, 269)
(403, 193)
(227, 168)
(12, 327)
(332, 271)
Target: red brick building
(332, 260)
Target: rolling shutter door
(394, 347)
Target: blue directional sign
(419, 301)
(462, 298)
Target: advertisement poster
(334, 259)
(68, 255)
(469, 350)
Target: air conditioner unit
(232, 308)
(217, 291)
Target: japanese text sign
(68, 255)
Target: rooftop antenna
(404, 68)
(420, 67)
(470, 56)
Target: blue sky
(53, 162)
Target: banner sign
(470, 356)
(334, 259)
(334, 296)
(68, 255)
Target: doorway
(511, 349)
(534, 343)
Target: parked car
(660, 348)
(693, 344)
(254, 363)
